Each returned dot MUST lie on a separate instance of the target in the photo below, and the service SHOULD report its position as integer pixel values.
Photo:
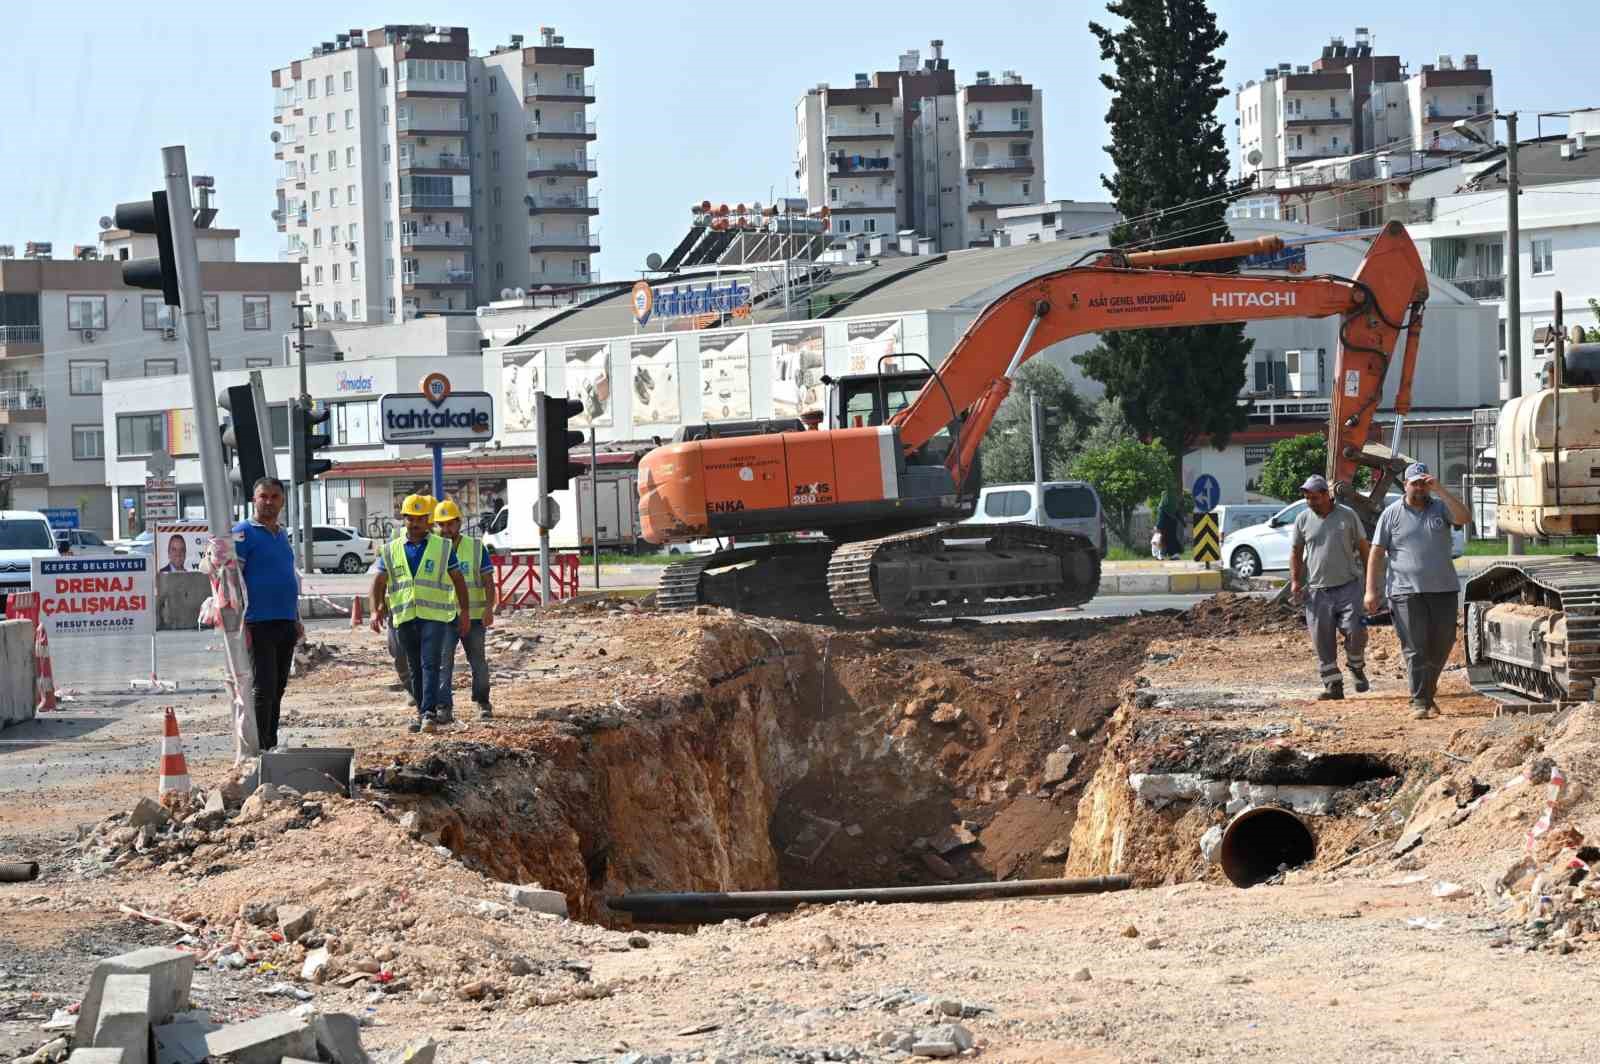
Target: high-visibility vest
(429, 594)
(469, 552)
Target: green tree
(1592, 336)
(1290, 462)
(1169, 151)
(1125, 474)
(1008, 445)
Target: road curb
(1189, 583)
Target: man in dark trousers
(1413, 539)
(272, 615)
(1328, 549)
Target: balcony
(563, 203)
(409, 202)
(1022, 164)
(426, 123)
(440, 277)
(21, 403)
(431, 236)
(1455, 112)
(1318, 118)
(847, 165)
(552, 130)
(293, 252)
(861, 131)
(1482, 287)
(588, 166)
(443, 160)
(20, 340)
(569, 91)
(576, 243)
(995, 128)
(995, 204)
(861, 206)
(23, 465)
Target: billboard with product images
(521, 376)
(797, 361)
(653, 365)
(96, 595)
(589, 379)
(725, 376)
(869, 341)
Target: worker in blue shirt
(417, 573)
(272, 613)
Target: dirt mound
(1231, 614)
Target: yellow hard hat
(417, 506)
(447, 510)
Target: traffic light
(556, 440)
(242, 433)
(150, 217)
(306, 419)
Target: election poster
(654, 365)
(96, 595)
(869, 341)
(725, 376)
(180, 548)
(797, 357)
(520, 376)
(589, 379)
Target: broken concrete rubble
(264, 1040)
(538, 899)
(171, 973)
(123, 1021)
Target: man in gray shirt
(1413, 540)
(1328, 550)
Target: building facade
(415, 176)
(910, 149)
(68, 328)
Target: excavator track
(1567, 664)
(782, 579)
(963, 571)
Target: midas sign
(96, 596)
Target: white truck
(513, 528)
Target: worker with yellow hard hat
(477, 570)
(419, 584)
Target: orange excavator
(898, 464)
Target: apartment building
(910, 149)
(402, 187)
(68, 326)
(1350, 101)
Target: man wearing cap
(1328, 551)
(1412, 540)
(419, 584)
(477, 571)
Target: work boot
(445, 714)
(1360, 677)
(485, 711)
(1421, 710)
(429, 724)
(1333, 693)
(415, 726)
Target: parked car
(1233, 516)
(338, 548)
(24, 536)
(1261, 548)
(143, 543)
(81, 541)
(1071, 505)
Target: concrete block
(171, 972)
(123, 1022)
(310, 769)
(538, 899)
(264, 1040)
(339, 1038)
(178, 599)
(16, 672)
(1183, 583)
(1209, 581)
(108, 1055)
(1142, 583)
(184, 1040)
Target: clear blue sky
(695, 102)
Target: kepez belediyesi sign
(436, 415)
(96, 595)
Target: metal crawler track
(783, 579)
(1571, 585)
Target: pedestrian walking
(1328, 550)
(1412, 540)
(272, 612)
(397, 653)
(419, 585)
(477, 572)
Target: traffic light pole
(541, 455)
(296, 444)
(227, 583)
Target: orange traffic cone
(45, 682)
(355, 611)
(174, 769)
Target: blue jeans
(423, 642)
(476, 657)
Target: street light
(1513, 257)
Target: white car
(1261, 548)
(338, 549)
(24, 536)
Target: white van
(1070, 505)
(1233, 516)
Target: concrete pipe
(18, 871)
(1260, 840)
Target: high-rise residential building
(418, 177)
(1352, 101)
(910, 149)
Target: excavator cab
(864, 400)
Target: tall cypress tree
(1169, 150)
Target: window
(833, 194)
(494, 161)
(388, 231)
(316, 275)
(316, 161)
(349, 80)
(333, 234)
(316, 200)
(86, 312)
(1066, 501)
(355, 308)
(141, 433)
(389, 309)
(1544, 260)
(86, 375)
(844, 225)
(322, 312)
(349, 156)
(383, 75)
(333, 160)
(388, 192)
(355, 233)
(327, 85)
(160, 367)
(157, 315)
(316, 237)
(311, 125)
(1006, 504)
(261, 363)
(1502, 334)
(497, 195)
(311, 88)
(350, 195)
(355, 269)
(494, 84)
(331, 116)
(336, 273)
(386, 153)
(349, 118)
(1019, 117)
(383, 116)
(1026, 188)
(498, 232)
(88, 442)
(338, 304)
(494, 120)
(870, 225)
(333, 196)
(388, 267)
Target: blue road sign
(61, 517)
(1206, 493)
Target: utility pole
(213, 475)
(1035, 425)
(1513, 258)
(299, 464)
(542, 512)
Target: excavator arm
(1125, 292)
